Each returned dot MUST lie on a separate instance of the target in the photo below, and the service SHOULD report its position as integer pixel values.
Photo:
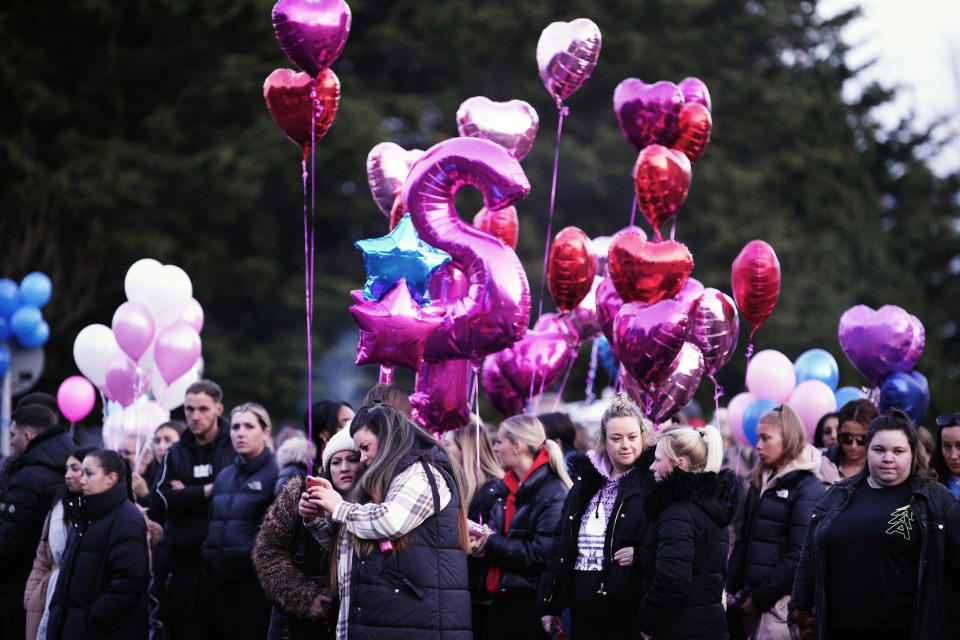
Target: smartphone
(476, 530)
(312, 482)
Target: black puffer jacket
(765, 556)
(102, 589)
(480, 509)
(240, 498)
(627, 528)
(522, 553)
(194, 465)
(35, 478)
(685, 555)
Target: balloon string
(563, 385)
(717, 394)
(673, 230)
(592, 373)
(543, 381)
(633, 211)
(553, 195)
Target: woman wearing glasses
(850, 454)
(945, 459)
(882, 554)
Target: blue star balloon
(400, 255)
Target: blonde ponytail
(529, 431)
(556, 462)
(703, 448)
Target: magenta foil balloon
(634, 389)
(689, 293)
(647, 113)
(495, 310)
(675, 389)
(649, 337)
(176, 351)
(879, 343)
(694, 90)
(393, 331)
(312, 32)
(538, 360)
(714, 327)
(567, 53)
(440, 397)
(133, 327)
(125, 380)
(584, 318)
(499, 391)
(608, 306)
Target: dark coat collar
(718, 494)
(254, 464)
(99, 504)
(188, 439)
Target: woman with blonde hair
(518, 540)
(783, 489)
(602, 524)
(684, 555)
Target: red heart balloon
(755, 279)
(661, 180)
(645, 271)
(693, 131)
(502, 223)
(570, 268)
(287, 93)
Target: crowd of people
(376, 528)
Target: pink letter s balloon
(755, 279)
(76, 398)
(177, 349)
(312, 32)
(494, 312)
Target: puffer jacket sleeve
(779, 581)
(532, 553)
(673, 572)
(22, 521)
(282, 581)
(736, 568)
(128, 570)
(802, 596)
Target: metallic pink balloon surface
(499, 391)
(557, 322)
(649, 337)
(677, 386)
(176, 351)
(714, 327)
(513, 125)
(600, 246)
(661, 180)
(133, 327)
(393, 331)
(495, 310)
(608, 306)
(638, 392)
(312, 32)
(567, 53)
(647, 113)
(879, 343)
(694, 90)
(584, 318)
(689, 293)
(388, 165)
(440, 397)
(125, 380)
(538, 360)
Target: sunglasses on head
(849, 438)
(949, 420)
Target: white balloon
(170, 293)
(172, 396)
(140, 277)
(93, 347)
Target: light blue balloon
(35, 289)
(606, 357)
(752, 416)
(847, 394)
(25, 321)
(817, 364)
(36, 339)
(9, 297)
(4, 360)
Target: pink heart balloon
(538, 360)
(608, 306)
(714, 327)
(647, 113)
(388, 165)
(513, 125)
(649, 337)
(567, 53)
(677, 387)
(689, 293)
(312, 32)
(694, 90)
(498, 389)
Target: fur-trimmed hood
(718, 494)
(294, 451)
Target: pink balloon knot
(564, 110)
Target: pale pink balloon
(75, 398)
(770, 375)
(735, 410)
(125, 380)
(513, 124)
(177, 350)
(193, 315)
(133, 327)
(812, 399)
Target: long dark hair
(398, 436)
(63, 495)
(937, 462)
(112, 462)
(818, 432)
(897, 420)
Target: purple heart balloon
(538, 360)
(880, 342)
(674, 390)
(714, 327)
(649, 337)
(499, 391)
(694, 90)
(647, 113)
(312, 32)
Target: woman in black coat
(783, 490)
(518, 541)
(102, 588)
(239, 500)
(602, 525)
(684, 556)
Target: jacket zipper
(602, 590)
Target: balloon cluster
(20, 315)
(153, 344)
(885, 345)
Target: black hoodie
(684, 555)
